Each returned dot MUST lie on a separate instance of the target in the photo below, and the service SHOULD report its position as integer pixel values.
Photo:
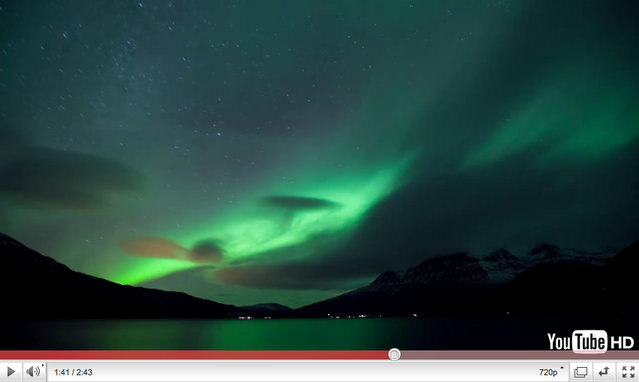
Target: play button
(10, 371)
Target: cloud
(297, 203)
(206, 252)
(46, 178)
(155, 247)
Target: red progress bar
(192, 354)
(306, 355)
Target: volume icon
(31, 371)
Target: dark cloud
(31, 193)
(207, 252)
(298, 203)
(48, 178)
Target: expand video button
(627, 371)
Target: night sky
(288, 151)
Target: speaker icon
(31, 371)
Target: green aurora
(248, 231)
(348, 103)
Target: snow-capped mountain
(462, 282)
(443, 278)
(445, 271)
(502, 266)
(269, 307)
(497, 267)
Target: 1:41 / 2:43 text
(73, 372)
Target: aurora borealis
(287, 151)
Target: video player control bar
(318, 371)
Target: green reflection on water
(450, 333)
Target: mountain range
(271, 307)
(547, 279)
(497, 282)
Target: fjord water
(429, 333)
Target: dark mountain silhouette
(546, 280)
(36, 286)
(620, 286)
(564, 286)
(269, 310)
(269, 307)
(441, 284)
(546, 251)
(575, 287)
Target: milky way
(287, 151)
